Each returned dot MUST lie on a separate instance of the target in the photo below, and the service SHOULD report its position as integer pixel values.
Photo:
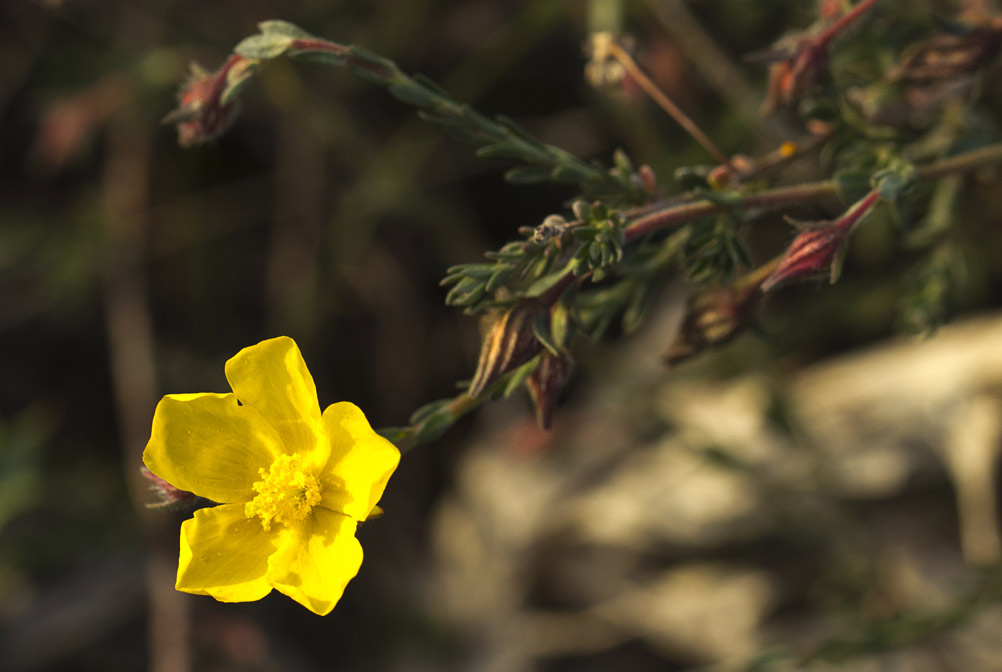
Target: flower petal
(210, 445)
(360, 464)
(271, 377)
(316, 560)
(225, 554)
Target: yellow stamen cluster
(286, 492)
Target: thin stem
(666, 104)
(961, 163)
(457, 408)
(843, 22)
(852, 216)
(772, 198)
(753, 279)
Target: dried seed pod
(508, 343)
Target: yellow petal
(271, 377)
(210, 445)
(316, 560)
(360, 464)
(225, 554)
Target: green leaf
(412, 94)
(264, 47)
(499, 277)
(376, 69)
(430, 84)
(463, 293)
(519, 376)
(510, 125)
(427, 410)
(435, 425)
(504, 151)
(541, 329)
(560, 325)
(622, 161)
(837, 262)
(569, 173)
(527, 174)
(394, 434)
(540, 287)
(278, 27)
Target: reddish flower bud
(811, 255)
(792, 78)
(817, 251)
(546, 383)
(201, 115)
(167, 496)
(800, 59)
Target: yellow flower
(292, 484)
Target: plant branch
(810, 192)
(207, 105)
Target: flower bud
(818, 250)
(167, 496)
(201, 115)
(791, 78)
(508, 343)
(812, 254)
(546, 383)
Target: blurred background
(821, 487)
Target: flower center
(286, 492)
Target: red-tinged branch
(773, 198)
(843, 22)
(811, 192)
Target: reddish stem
(860, 208)
(767, 199)
(846, 20)
(321, 45)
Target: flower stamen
(286, 492)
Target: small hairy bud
(201, 114)
(167, 496)
(791, 78)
